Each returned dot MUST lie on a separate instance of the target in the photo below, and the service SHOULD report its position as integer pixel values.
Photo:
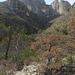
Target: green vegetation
(2, 73)
(17, 45)
(20, 41)
(29, 55)
(62, 24)
(64, 31)
(38, 58)
(69, 59)
(26, 55)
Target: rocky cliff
(37, 6)
(73, 5)
(61, 7)
(41, 8)
(14, 12)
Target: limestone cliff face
(15, 13)
(64, 6)
(73, 5)
(37, 6)
(61, 7)
(55, 5)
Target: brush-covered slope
(57, 44)
(62, 23)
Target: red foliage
(72, 25)
(59, 44)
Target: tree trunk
(6, 55)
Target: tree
(49, 50)
(10, 32)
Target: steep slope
(53, 50)
(41, 8)
(16, 13)
(73, 5)
(61, 7)
(62, 23)
(57, 45)
(37, 6)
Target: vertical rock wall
(61, 7)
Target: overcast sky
(50, 1)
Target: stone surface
(61, 7)
(37, 6)
(73, 5)
(29, 70)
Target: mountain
(57, 45)
(48, 11)
(32, 14)
(62, 23)
(15, 13)
(61, 7)
(73, 5)
(37, 6)
(50, 52)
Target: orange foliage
(72, 25)
(59, 44)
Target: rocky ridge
(61, 7)
(15, 13)
(43, 43)
(37, 6)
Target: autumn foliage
(55, 46)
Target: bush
(27, 55)
(69, 59)
(65, 31)
(2, 73)
(38, 58)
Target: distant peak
(56, 0)
(61, 0)
(11, 0)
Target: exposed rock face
(73, 5)
(64, 6)
(15, 13)
(30, 70)
(55, 5)
(37, 6)
(61, 7)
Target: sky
(50, 1)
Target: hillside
(57, 45)
(62, 23)
(36, 43)
(16, 13)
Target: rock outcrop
(55, 5)
(14, 12)
(37, 6)
(73, 5)
(41, 8)
(30, 70)
(61, 7)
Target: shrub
(65, 31)
(69, 59)
(38, 58)
(2, 73)
(27, 55)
